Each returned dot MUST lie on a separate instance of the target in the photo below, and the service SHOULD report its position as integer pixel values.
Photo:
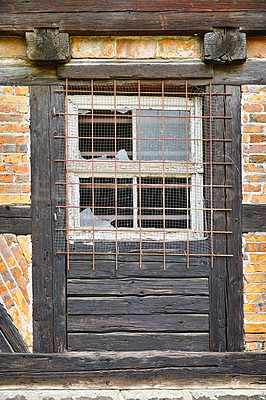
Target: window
(135, 169)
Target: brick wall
(254, 192)
(14, 141)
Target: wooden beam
(10, 338)
(254, 218)
(225, 46)
(133, 23)
(16, 220)
(129, 70)
(42, 223)
(135, 364)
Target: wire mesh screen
(135, 172)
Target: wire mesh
(135, 165)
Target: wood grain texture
(16, 220)
(42, 234)
(253, 218)
(57, 6)
(137, 287)
(234, 283)
(134, 341)
(136, 23)
(138, 323)
(10, 338)
(162, 363)
(140, 70)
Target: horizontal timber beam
(138, 364)
(15, 219)
(105, 22)
(137, 70)
(254, 218)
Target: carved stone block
(47, 44)
(225, 46)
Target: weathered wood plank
(139, 323)
(133, 305)
(128, 269)
(234, 284)
(140, 70)
(137, 23)
(254, 218)
(33, 6)
(138, 341)
(137, 287)
(164, 363)
(251, 72)
(16, 220)
(10, 336)
(42, 234)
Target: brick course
(15, 281)
(14, 145)
(254, 192)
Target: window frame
(79, 169)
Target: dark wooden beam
(136, 364)
(225, 46)
(254, 218)
(129, 70)
(42, 222)
(10, 338)
(133, 22)
(59, 6)
(14, 219)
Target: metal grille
(135, 167)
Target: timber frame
(138, 18)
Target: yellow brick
(255, 288)
(14, 199)
(255, 328)
(253, 237)
(255, 298)
(21, 304)
(22, 90)
(8, 90)
(24, 109)
(256, 47)
(25, 158)
(258, 258)
(255, 268)
(12, 47)
(255, 278)
(255, 317)
(14, 128)
(13, 158)
(179, 47)
(255, 337)
(257, 98)
(136, 48)
(249, 307)
(92, 47)
(24, 247)
(245, 197)
(14, 99)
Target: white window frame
(78, 168)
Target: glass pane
(151, 134)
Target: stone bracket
(224, 46)
(47, 44)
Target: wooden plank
(10, 336)
(147, 305)
(254, 218)
(109, 70)
(136, 341)
(128, 269)
(16, 220)
(234, 284)
(137, 23)
(18, 73)
(137, 287)
(42, 235)
(218, 272)
(251, 72)
(57, 6)
(161, 363)
(139, 323)
(58, 198)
